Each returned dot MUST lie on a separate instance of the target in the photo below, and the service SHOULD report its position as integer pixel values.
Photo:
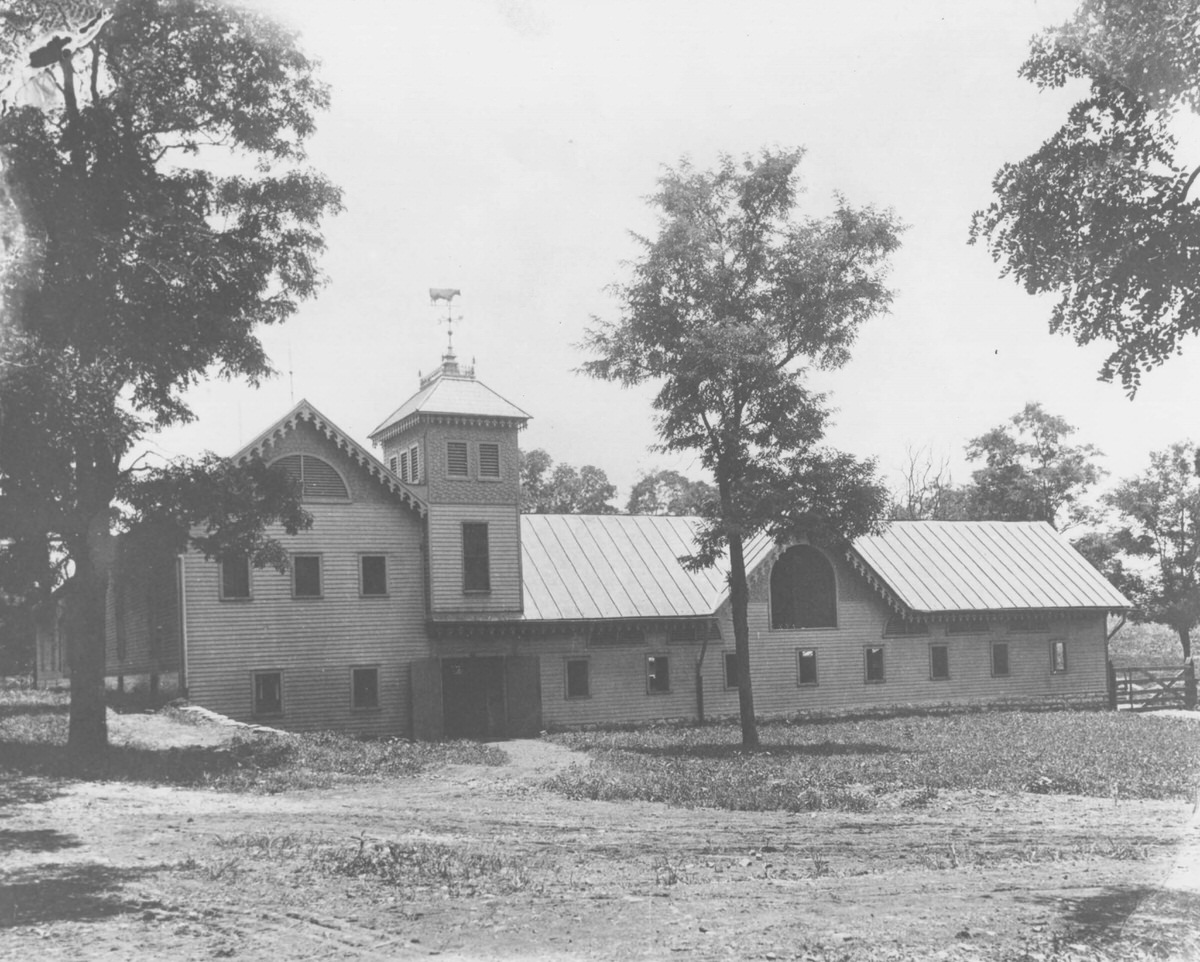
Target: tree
(669, 492)
(1162, 508)
(130, 276)
(1104, 213)
(1030, 473)
(723, 310)
(929, 492)
(547, 488)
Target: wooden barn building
(422, 602)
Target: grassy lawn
(856, 765)
(33, 739)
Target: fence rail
(1144, 689)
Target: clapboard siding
(142, 620)
(315, 642)
(446, 558)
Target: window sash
(731, 672)
(1000, 666)
(373, 574)
(1058, 656)
(939, 662)
(235, 579)
(306, 576)
(476, 573)
(873, 656)
(658, 674)
(577, 680)
(806, 666)
(268, 693)
(364, 688)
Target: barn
(423, 603)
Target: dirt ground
(115, 871)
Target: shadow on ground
(722, 750)
(65, 893)
(18, 790)
(1135, 921)
(36, 840)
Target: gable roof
(261, 445)
(452, 393)
(946, 567)
(583, 567)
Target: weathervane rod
(446, 294)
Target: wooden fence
(1143, 689)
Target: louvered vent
(456, 459)
(317, 478)
(489, 460)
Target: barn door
(523, 686)
(426, 697)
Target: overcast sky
(505, 147)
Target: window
(803, 590)
(268, 693)
(476, 574)
(364, 687)
(899, 626)
(403, 465)
(807, 658)
(999, 658)
(414, 465)
(1058, 656)
(373, 571)
(235, 579)
(489, 460)
(318, 480)
(456, 459)
(967, 628)
(939, 662)
(731, 672)
(658, 675)
(306, 576)
(577, 678)
(874, 659)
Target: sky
(506, 148)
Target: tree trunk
(739, 598)
(700, 682)
(1185, 639)
(87, 735)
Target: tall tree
(1030, 472)
(669, 492)
(1104, 213)
(1162, 511)
(134, 269)
(549, 488)
(723, 310)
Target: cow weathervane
(446, 294)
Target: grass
(33, 737)
(1146, 646)
(852, 765)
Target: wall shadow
(43, 894)
(36, 840)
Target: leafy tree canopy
(669, 492)
(547, 488)
(723, 310)
(1161, 510)
(158, 213)
(1104, 214)
(1030, 472)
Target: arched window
(803, 590)
(318, 479)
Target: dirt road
(112, 871)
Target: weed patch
(850, 765)
(454, 871)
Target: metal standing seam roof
(456, 395)
(949, 566)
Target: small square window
(373, 568)
(456, 459)
(306, 576)
(1058, 656)
(235, 578)
(1000, 658)
(489, 460)
(874, 660)
(939, 662)
(731, 669)
(476, 570)
(807, 658)
(658, 675)
(364, 688)
(268, 693)
(577, 678)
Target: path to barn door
(472, 861)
